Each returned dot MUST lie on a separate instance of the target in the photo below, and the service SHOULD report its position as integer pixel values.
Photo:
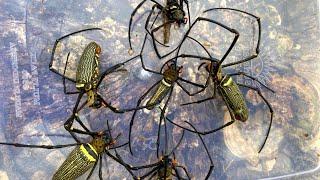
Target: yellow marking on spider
(86, 153)
(79, 85)
(228, 82)
(165, 83)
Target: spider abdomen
(234, 99)
(161, 91)
(79, 161)
(88, 68)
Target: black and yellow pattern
(162, 90)
(234, 99)
(88, 68)
(79, 161)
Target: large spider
(172, 12)
(167, 166)
(170, 76)
(88, 80)
(227, 88)
(85, 156)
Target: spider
(167, 166)
(227, 88)
(164, 87)
(84, 156)
(88, 80)
(172, 13)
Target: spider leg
(270, 109)
(179, 142)
(199, 57)
(143, 65)
(148, 20)
(120, 161)
(39, 146)
(203, 100)
(198, 102)
(190, 82)
(81, 123)
(68, 124)
(217, 129)
(146, 166)
(134, 113)
(229, 29)
(219, 24)
(177, 174)
(64, 79)
(204, 132)
(207, 81)
(253, 78)
(149, 173)
(132, 15)
(206, 148)
(92, 169)
(100, 167)
(109, 71)
(153, 175)
(259, 35)
(113, 69)
(185, 170)
(186, 91)
(154, 42)
(117, 110)
(180, 125)
(115, 139)
(161, 118)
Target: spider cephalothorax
(172, 72)
(175, 13)
(102, 140)
(172, 13)
(166, 168)
(214, 69)
(94, 99)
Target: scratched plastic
(34, 107)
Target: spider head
(166, 169)
(216, 69)
(172, 72)
(176, 13)
(94, 99)
(106, 136)
(97, 102)
(101, 140)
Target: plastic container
(34, 107)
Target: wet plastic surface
(34, 107)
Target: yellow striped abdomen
(88, 67)
(79, 161)
(161, 92)
(234, 99)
